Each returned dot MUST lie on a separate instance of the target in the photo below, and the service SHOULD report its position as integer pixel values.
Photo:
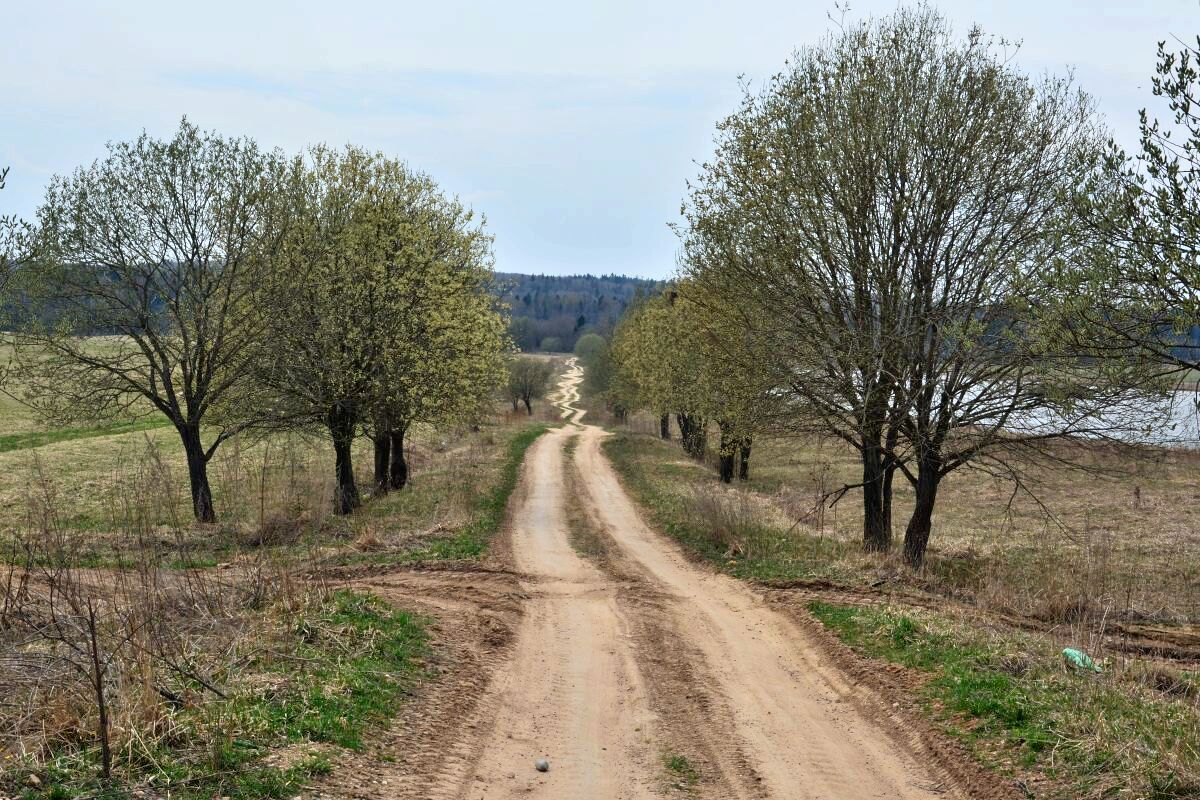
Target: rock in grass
(542, 765)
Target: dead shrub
(276, 529)
(368, 540)
(1064, 608)
(100, 656)
(729, 519)
(1165, 679)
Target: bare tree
(159, 249)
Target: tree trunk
(516, 404)
(744, 459)
(399, 464)
(728, 450)
(916, 535)
(889, 473)
(383, 449)
(102, 730)
(725, 467)
(877, 530)
(693, 431)
(342, 421)
(528, 407)
(197, 463)
(664, 426)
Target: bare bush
(102, 656)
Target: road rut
(632, 660)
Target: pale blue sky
(572, 126)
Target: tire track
(605, 665)
(792, 707)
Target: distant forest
(550, 312)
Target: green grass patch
(30, 439)
(683, 499)
(472, 540)
(341, 670)
(683, 774)
(1095, 736)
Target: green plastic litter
(1080, 659)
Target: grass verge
(337, 668)
(1018, 706)
(731, 532)
(488, 508)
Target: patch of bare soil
(475, 613)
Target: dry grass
(1064, 570)
(100, 657)
(1121, 538)
(101, 563)
(1118, 541)
(275, 492)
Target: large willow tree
(874, 223)
(378, 310)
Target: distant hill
(550, 312)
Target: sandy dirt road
(610, 664)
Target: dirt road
(634, 671)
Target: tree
(445, 357)
(588, 346)
(664, 350)
(161, 248)
(1134, 292)
(873, 224)
(527, 378)
(379, 311)
(741, 397)
(656, 357)
(15, 238)
(593, 353)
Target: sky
(574, 127)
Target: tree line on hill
(252, 290)
(904, 243)
(550, 312)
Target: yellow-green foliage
(380, 301)
(671, 354)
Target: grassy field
(1124, 546)
(320, 675)
(124, 489)
(1091, 551)
(234, 668)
